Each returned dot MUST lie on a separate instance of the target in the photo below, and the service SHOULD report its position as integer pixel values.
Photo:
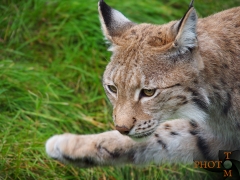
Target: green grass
(52, 57)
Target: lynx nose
(123, 129)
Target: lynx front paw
(52, 148)
(73, 149)
(57, 146)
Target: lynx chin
(175, 91)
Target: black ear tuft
(191, 4)
(106, 13)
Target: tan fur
(194, 66)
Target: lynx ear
(113, 22)
(185, 30)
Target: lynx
(175, 91)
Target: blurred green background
(52, 57)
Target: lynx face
(153, 74)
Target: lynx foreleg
(173, 142)
(91, 150)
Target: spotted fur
(192, 66)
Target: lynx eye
(112, 88)
(148, 92)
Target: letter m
(227, 173)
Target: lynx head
(153, 74)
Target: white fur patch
(190, 111)
(118, 19)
